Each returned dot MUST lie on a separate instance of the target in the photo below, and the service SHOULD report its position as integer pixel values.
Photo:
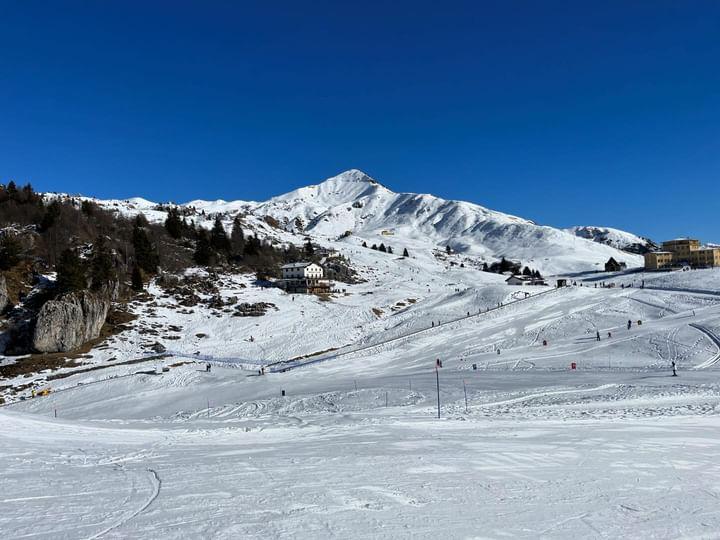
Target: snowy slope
(614, 237)
(617, 448)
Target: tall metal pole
(437, 379)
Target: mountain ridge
(352, 207)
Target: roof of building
(297, 265)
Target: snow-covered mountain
(352, 207)
(614, 237)
(355, 203)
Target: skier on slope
(629, 324)
(597, 335)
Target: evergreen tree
(12, 189)
(389, 249)
(52, 212)
(87, 208)
(373, 247)
(28, 194)
(364, 244)
(70, 272)
(102, 269)
(203, 249)
(382, 248)
(485, 267)
(145, 254)
(173, 224)
(309, 249)
(527, 272)
(252, 246)
(9, 251)
(405, 253)
(136, 279)
(237, 237)
(218, 237)
(448, 249)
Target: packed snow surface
(526, 447)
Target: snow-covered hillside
(614, 237)
(357, 208)
(351, 446)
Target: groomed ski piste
(525, 446)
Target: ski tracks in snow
(715, 339)
(155, 484)
(545, 394)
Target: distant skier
(597, 335)
(674, 369)
(609, 334)
(207, 367)
(629, 324)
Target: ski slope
(525, 447)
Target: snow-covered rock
(616, 238)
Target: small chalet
(304, 277)
(519, 279)
(613, 266)
(301, 270)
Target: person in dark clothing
(629, 324)
(597, 335)
(674, 370)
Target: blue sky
(604, 113)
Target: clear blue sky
(600, 113)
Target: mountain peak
(355, 175)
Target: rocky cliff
(70, 321)
(3, 294)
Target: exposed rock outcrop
(72, 320)
(3, 294)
